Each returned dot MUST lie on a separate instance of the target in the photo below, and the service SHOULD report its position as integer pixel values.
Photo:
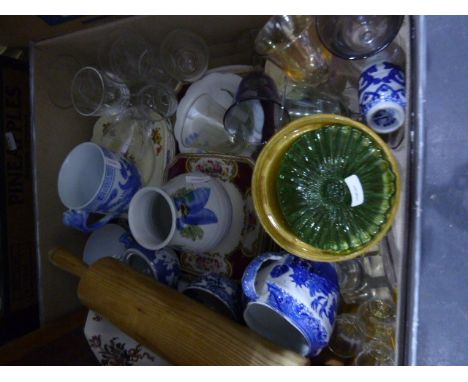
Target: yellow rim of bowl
(264, 188)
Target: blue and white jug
(291, 301)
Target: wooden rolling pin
(169, 323)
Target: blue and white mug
(291, 301)
(382, 97)
(92, 179)
(217, 292)
(162, 265)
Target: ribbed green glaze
(314, 198)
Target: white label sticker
(194, 179)
(355, 188)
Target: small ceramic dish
(245, 238)
(353, 177)
(150, 147)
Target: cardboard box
(57, 131)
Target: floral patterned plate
(246, 237)
(150, 147)
(112, 347)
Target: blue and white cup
(291, 301)
(217, 292)
(162, 265)
(105, 242)
(382, 97)
(92, 179)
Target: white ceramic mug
(192, 212)
(93, 179)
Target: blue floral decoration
(191, 206)
(226, 289)
(127, 240)
(313, 316)
(279, 270)
(375, 85)
(167, 270)
(111, 200)
(302, 317)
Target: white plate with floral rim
(112, 347)
(148, 144)
(246, 237)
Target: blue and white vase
(217, 292)
(382, 97)
(291, 301)
(93, 179)
(162, 265)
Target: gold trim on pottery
(265, 196)
(229, 168)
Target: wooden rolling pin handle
(63, 259)
(182, 330)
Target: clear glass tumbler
(301, 101)
(375, 353)
(156, 97)
(98, 93)
(347, 338)
(377, 319)
(291, 43)
(184, 55)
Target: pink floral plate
(246, 237)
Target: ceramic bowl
(325, 175)
(105, 242)
(162, 265)
(217, 292)
(199, 119)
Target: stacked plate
(148, 144)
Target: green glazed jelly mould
(335, 188)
